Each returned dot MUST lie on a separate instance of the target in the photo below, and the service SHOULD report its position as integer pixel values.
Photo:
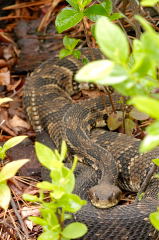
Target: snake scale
(111, 161)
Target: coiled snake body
(113, 157)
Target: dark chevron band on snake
(111, 161)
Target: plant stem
(146, 181)
(86, 33)
(110, 98)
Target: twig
(110, 98)
(7, 130)
(16, 228)
(123, 112)
(6, 226)
(27, 4)
(19, 217)
(86, 33)
(146, 181)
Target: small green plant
(62, 201)
(9, 144)
(9, 170)
(70, 16)
(6, 173)
(70, 44)
(132, 74)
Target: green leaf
(129, 126)
(50, 216)
(76, 54)
(102, 72)
(13, 142)
(107, 5)
(38, 220)
(47, 157)
(71, 203)
(142, 66)
(142, 49)
(63, 153)
(112, 40)
(5, 195)
(67, 216)
(74, 230)
(58, 192)
(30, 198)
(151, 50)
(67, 18)
(146, 25)
(70, 43)
(156, 161)
(73, 4)
(146, 104)
(2, 153)
(149, 3)
(11, 168)
(49, 235)
(75, 160)
(154, 219)
(94, 12)
(94, 71)
(64, 53)
(63, 178)
(45, 185)
(83, 3)
(116, 76)
(116, 16)
(153, 129)
(149, 142)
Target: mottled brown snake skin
(111, 160)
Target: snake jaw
(104, 195)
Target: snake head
(104, 195)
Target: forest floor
(27, 38)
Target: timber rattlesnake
(114, 156)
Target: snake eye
(96, 197)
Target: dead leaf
(8, 52)
(92, 93)
(16, 122)
(28, 211)
(4, 76)
(5, 37)
(12, 87)
(3, 63)
(129, 126)
(4, 100)
(137, 115)
(3, 115)
(115, 120)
